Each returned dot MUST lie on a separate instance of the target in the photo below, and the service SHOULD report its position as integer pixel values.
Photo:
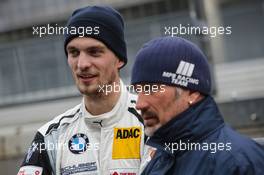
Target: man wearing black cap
(103, 134)
(187, 133)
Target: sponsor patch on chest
(79, 168)
(30, 170)
(123, 172)
(126, 143)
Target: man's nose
(141, 102)
(84, 61)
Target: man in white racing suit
(104, 134)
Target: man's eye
(74, 53)
(95, 52)
(152, 89)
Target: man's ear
(194, 97)
(120, 63)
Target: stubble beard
(93, 90)
(149, 131)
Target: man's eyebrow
(88, 48)
(70, 47)
(96, 47)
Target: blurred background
(36, 83)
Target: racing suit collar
(190, 126)
(109, 118)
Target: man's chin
(149, 131)
(90, 90)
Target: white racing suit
(79, 143)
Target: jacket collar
(191, 126)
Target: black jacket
(198, 142)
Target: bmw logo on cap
(78, 143)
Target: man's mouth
(87, 78)
(150, 120)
